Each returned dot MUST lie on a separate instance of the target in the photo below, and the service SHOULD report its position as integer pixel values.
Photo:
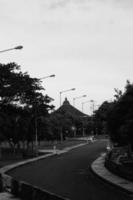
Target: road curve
(69, 175)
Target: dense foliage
(67, 124)
(100, 118)
(120, 118)
(21, 105)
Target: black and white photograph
(66, 100)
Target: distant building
(67, 108)
(72, 121)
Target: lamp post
(14, 48)
(65, 91)
(36, 130)
(61, 134)
(2, 51)
(83, 118)
(83, 105)
(83, 111)
(93, 107)
(74, 99)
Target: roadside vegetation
(23, 108)
(24, 112)
(116, 119)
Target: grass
(9, 157)
(60, 145)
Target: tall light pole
(83, 105)
(83, 124)
(14, 48)
(93, 106)
(79, 97)
(2, 51)
(65, 91)
(61, 133)
(36, 130)
(83, 111)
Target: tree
(100, 117)
(17, 87)
(120, 118)
(21, 101)
(67, 124)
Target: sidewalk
(99, 169)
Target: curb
(7, 180)
(99, 170)
(52, 153)
(12, 166)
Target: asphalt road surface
(69, 175)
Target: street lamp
(61, 134)
(14, 48)
(93, 105)
(77, 98)
(83, 118)
(50, 76)
(2, 51)
(36, 130)
(65, 91)
(83, 105)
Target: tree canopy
(21, 102)
(100, 117)
(120, 118)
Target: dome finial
(66, 102)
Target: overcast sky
(88, 44)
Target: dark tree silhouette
(21, 102)
(120, 118)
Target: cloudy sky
(88, 44)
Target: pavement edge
(7, 179)
(98, 168)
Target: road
(69, 175)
